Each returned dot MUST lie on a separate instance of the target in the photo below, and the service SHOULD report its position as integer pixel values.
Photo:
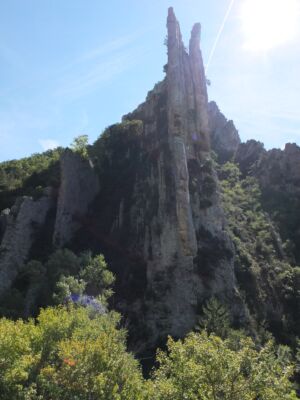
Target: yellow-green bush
(67, 355)
(203, 367)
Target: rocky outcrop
(23, 224)
(224, 136)
(278, 173)
(79, 187)
(273, 168)
(249, 155)
(280, 168)
(165, 212)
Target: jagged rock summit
(154, 208)
(179, 228)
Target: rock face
(280, 168)
(274, 168)
(79, 187)
(168, 215)
(248, 155)
(278, 173)
(225, 139)
(22, 226)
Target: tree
(215, 318)
(79, 145)
(203, 367)
(90, 277)
(67, 355)
(96, 274)
(66, 287)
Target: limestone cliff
(248, 155)
(225, 139)
(165, 213)
(22, 226)
(79, 186)
(278, 172)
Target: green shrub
(203, 367)
(67, 355)
(28, 176)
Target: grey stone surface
(224, 136)
(23, 223)
(191, 257)
(280, 168)
(79, 187)
(249, 155)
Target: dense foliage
(52, 282)
(67, 355)
(75, 348)
(262, 266)
(28, 175)
(80, 144)
(71, 353)
(284, 207)
(203, 367)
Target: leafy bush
(55, 280)
(203, 367)
(28, 175)
(67, 355)
(80, 144)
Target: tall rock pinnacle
(190, 256)
(187, 92)
(198, 74)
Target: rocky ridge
(150, 201)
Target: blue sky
(71, 67)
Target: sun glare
(269, 23)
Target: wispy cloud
(106, 48)
(16, 118)
(82, 74)
(97, 66)
(48, 144)
(88, 79)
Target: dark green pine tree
(215, 318)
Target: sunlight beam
(269, 23)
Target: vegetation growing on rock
(28, 175)
(55, 280)
(262, 268)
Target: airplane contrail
(219, 35)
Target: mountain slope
(176, 225)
